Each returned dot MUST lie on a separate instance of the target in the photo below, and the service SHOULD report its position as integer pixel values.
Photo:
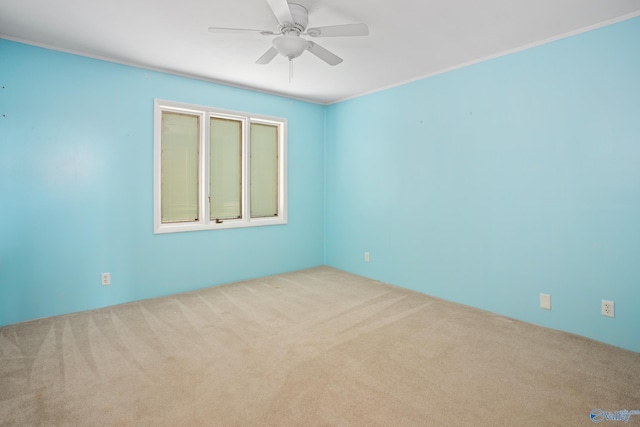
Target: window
(217, 169)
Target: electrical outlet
(545, 301)
(366, 256)
(106, 279)
(607, 308)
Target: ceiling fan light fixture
(290, 45)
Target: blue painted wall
(76, 188)
(493, 183)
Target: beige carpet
(314, 347)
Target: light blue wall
(76, 188)
(496, 182)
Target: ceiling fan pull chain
(290, 70)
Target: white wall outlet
(545, 301)
(607, 308)
(106, 279)
(366, 256)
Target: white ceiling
(408, 39)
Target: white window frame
(204, 222)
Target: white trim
(315, 101)
(495, 55)
(146, 67)
(204, 222)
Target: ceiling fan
(293, 19)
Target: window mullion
(245, 168)
(205, 148)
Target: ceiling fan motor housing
(300, 17)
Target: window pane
(264, 170)
(179, 168)
(226, 168)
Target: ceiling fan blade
(345, 30)
(281, 10)
(324, 54)
(268, 56)
(241, 30)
